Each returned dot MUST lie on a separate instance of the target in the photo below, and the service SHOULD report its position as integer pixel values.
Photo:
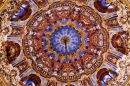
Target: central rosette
(65, 40)
(65, 35)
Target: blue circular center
(68, 36)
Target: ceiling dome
(65, 42)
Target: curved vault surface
(64, 43)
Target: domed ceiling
(64, 43)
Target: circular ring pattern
(71, 31)
(68, 36)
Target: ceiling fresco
(64, 43)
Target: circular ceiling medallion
(65, 41)
(65, 36)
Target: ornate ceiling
(64, 42)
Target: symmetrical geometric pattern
(63, 43)
(72, 37)
(85, 39)
(77, 42)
